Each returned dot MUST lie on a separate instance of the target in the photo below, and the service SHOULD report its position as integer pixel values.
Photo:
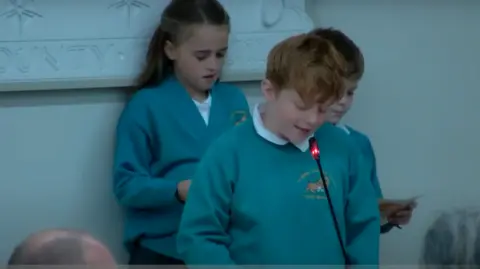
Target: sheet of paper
(389, 207)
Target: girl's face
(199, 59)
(336, 112)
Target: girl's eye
(202, 55)
(220, 54)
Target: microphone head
(314, 150)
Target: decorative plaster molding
(64, 44)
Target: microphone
(315, 152)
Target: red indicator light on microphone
(314, 148)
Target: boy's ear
(268, 90)
(170, 51)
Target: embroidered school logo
(239, 116)
(314, 188)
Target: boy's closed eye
(301, 106)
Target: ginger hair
(310, 65)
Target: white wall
(55, 163)
(416, 102)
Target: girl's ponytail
(157, 66)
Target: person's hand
(182, 188)
(402, 217)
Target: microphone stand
(314, 150)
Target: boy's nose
(342, 101)
(314, 118)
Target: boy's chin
(334, 119)
(298, 138)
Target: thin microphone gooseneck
(315, 152)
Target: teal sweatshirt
(160, 138)
(255, 202)
(369, 155)
(363, 142)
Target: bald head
(61, 247)
(454, 240)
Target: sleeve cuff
(385, 228)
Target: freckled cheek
(285, 117)
(349, 101)
(293, 115)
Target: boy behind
(257, 197)
(353, 74)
